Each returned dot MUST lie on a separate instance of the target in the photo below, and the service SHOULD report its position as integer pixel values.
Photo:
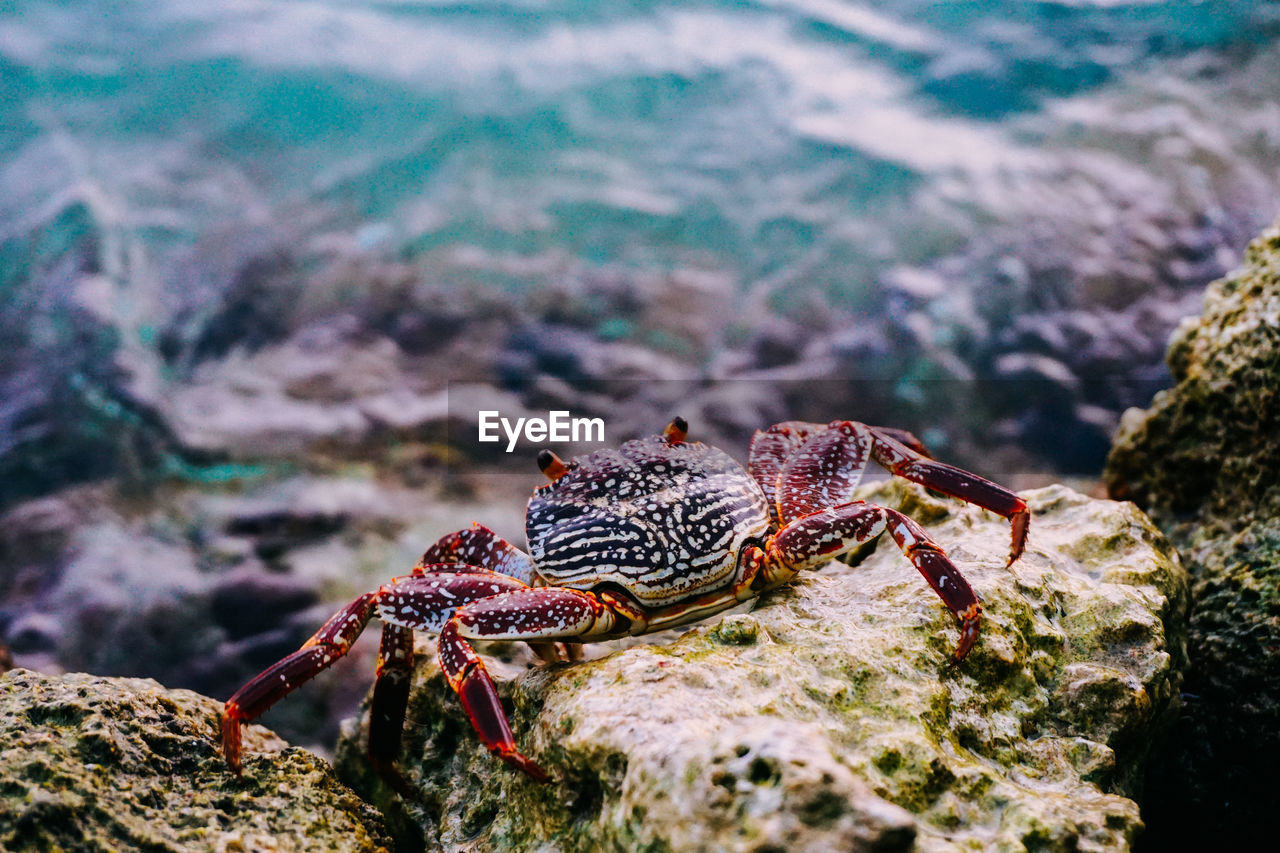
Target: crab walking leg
(909, 464)
(390, 702)
(530, 615)
(824, 471)
(477, 545)
(415, 601)
(822, 536)
(903, 437)
(770, 450)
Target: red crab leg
(822, 465)
(822, 536)
(769, 452)
(824, 471)
(390, 702)
(477, 545)
(911, 465)
(771, 448)
(530, 614)
(904, 437)
(415, 601)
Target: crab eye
(553, 466)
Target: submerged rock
(1204, 459)
(100, 764)
(828, 717)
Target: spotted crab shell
(664, 522)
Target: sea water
(993, 161)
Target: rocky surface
(1204, 459)
(203, 587)
(100, 764)
(272, 353)
(828, 718)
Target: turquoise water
(970, 180)
(812, 141)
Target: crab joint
(553, 466)
(677, 431)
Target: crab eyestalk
(553, 466)
(677, 431)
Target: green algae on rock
(829, 717)
(1210, 446)
(110, 764)
(1204, 460)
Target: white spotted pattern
(662, 521)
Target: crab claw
(553, 466)
(677, 431)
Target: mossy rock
(116, 764)
(1204, 460)
(1208, 450)
(829, 717)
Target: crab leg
(390, 701)
(824, 471)
(824, 535)
(804, 467)
(529, 615)
(909, 464)
(477, 545)
(461, 551)
(422, 601)
(771, 449)
(904, 437)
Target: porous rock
(108, 764)
(1204, 460)
(828, 717)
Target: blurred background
(262, 260)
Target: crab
(658, 533)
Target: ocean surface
(996, 164)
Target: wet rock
(66, 413)
(128, 601)
(33, 538)
(1204, 459)
(275, 531)
(34, 633)
(829, 718)
(250, 602)
(90, 763)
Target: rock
(91, 763)
(1204, 459)
(246, 602)
(129, 601)
(828, 717)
